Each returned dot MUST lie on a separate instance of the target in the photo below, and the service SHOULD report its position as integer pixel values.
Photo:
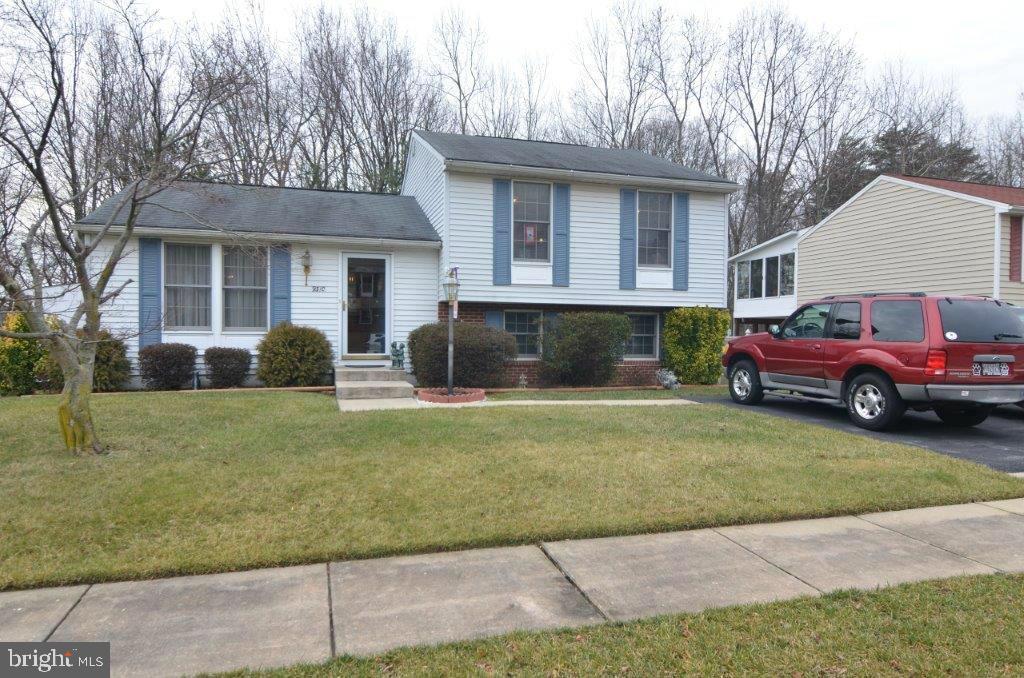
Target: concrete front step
(351, 390)
(368, 374)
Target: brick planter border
(459, 395)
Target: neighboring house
(764, 291)
(900, 233)
(534, 229)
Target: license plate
(991, 369)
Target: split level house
(900, 233)
(533, 229)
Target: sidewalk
(277, 617)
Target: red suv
(881, 353)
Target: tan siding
(895, 237)
(1010, 291)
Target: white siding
(425, 180)
(121, 315)
(900, 238)
(766, 307)
(594, 250)
(414, 276)
(319, 309)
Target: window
(643, 337)
(245, 288)
(654, 229)
(525, 326)
(531, 221)
(187, 280)
(807, 323)
(846, 321)
(897, 321)
(787, 271)
(980, 321)
(771, 277)
(756, 278)
(743, 280)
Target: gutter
(474, 167)
(206, 234)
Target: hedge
(480, 355)
(18, 357)
(693, 339)
(167, 367)
(292, 355)
(227, 367)
(583, 348)
(110, 371)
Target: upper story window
(187, 286)
(531, 221)
(653, 229)
(245, 288)
(768, 277)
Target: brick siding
(627, 373)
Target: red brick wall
(627, 373)
(1015, 249)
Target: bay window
(187, 286)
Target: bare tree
(1004, 147)
(162, 103)
(459, 65)
(616, 97)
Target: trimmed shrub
(693, 339)
(110, 371)
(227, 367)
(290, 355)
(582, 349)
(480, 355)
(18, 357)
(167, 367)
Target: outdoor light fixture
(307, 264)
(451, 293)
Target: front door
(365, 313)
(795, 356)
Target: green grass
(968, 626)
(632, 394)
(205, 482)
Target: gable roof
(240, 208)
(794, 234)
(559, 156)
(1005, 194)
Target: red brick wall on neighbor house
(627, 373)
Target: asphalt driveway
(998, 443)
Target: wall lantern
(307, 264)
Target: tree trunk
(75, 413)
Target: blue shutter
(280, 285)
(560, 271)
(627, 239)
(494, 319)
(681, 242)
(150, 275)
(502, 241)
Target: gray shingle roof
(550, 155)
(271, 209)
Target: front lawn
(627, 394)
(204, 482)
(969, 626)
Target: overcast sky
(978, 46)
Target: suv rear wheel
(745, 383)
(873, 402)
(958, 415)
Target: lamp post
(451, 293)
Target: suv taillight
(935, 365)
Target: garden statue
(397, 356)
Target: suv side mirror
(775, 331)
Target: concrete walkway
(276, 617)
(368, 404)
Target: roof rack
(878, 294)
